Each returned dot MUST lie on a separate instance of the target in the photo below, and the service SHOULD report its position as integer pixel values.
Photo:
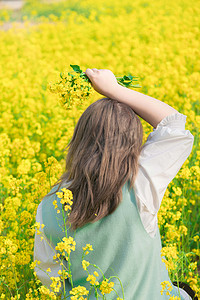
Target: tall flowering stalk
(64, 249)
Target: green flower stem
(69, 261)
(70, 274)
(84, 255)
(63, 282)
(178, 285)
(120, 283)
(98, 269)
(116, 293)
(63, 215)
(91, 288)
(7, 287)
(15, 279)
(96, 293)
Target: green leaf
(84, 76)
(130, 77)
(76, 68)
(136, 86)
(127, 78)
(127, 84)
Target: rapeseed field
(158, 41)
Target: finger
(89, 72)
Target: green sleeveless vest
(121, 246)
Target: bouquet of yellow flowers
(75, 86)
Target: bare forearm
(148, 108)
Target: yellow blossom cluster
(46, 292)
(66, 246)
(72, 89)
(85, 264)
(65, 198)
(166, 285)
(170, 255)
(87, 248)
(78, 293)
(92, 279)
(166, 288)
(157, 41)
(56, 284)
(106, 287)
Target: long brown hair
(102, 155)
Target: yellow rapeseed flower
(106, 287)
(85, 264)
(92, 279)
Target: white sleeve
(44, 251)
(162, 156)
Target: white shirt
(162, 156)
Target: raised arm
(148, 108)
